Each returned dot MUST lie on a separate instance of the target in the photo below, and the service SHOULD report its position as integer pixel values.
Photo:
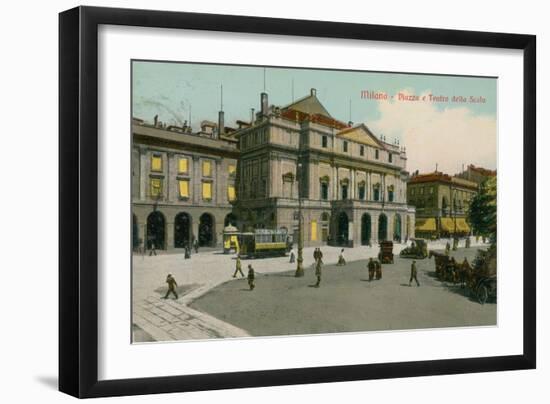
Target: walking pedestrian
(378, 270)
(447, 248)
(318, 272)
(171, 286)
(153, 249)
(341, 259)
(238, 267)
(187, 251)
(372, 267)
(292, 257)
(251, 277)
(413, 274)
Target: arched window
(361, 188)
(376, 192)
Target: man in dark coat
(372, 267)
(251, 277)
(318, 272)
(171, 286)
(413, 274)
(238, 267)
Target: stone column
(170, 187)
(217, 187)
(352, 183)
(142, 173)
(335, 195)
(195, 227)
(196, 180)
(169, 233)
(369, 186)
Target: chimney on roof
(264, 104)
(156, 120)
(252, 116)
(313, 92)
(221, 123)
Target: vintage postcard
(271, 201)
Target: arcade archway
(382, 227)
(156, 230)
(343, 229)
(365, 229)
(182, 230)
(206, 230)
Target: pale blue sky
(172, 89)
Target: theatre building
(183, 184)
(348, 184)
(441, 203)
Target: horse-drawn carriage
(418, 249)
(480, 278)
(386, 252)
(483, 277)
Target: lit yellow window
(207, 190)
(313, 230)
(232, 169)
(231, 193)
(183, 166)
(156, 187)
(184, 188)
(156, 163)
(206, 169)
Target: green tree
(482, 212)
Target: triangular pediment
(361, 134)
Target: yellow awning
(462, 225)
(425, 224)
(453, 225)
(448, 224)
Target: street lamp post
(300, 260)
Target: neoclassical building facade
(183, 184)
(351, 185)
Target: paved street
(346, 301)
(156, 319)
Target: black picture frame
(78, 200)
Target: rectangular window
(156, 187)
(324, 191)
(376, 155)
(390, 157)
(344, 192)
(206, 168)
(345, 146)
(183, 166)
(231, 193)
(313, 230)
(362, 151)
(156, 163)
(232, 170)
(325, 142)
(184, 188)
(376, 194)
(361, 192)
(207, 191)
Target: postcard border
(78, 192)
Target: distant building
(183, 183)
(352, 184)
(441, 203)
(476, 174)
